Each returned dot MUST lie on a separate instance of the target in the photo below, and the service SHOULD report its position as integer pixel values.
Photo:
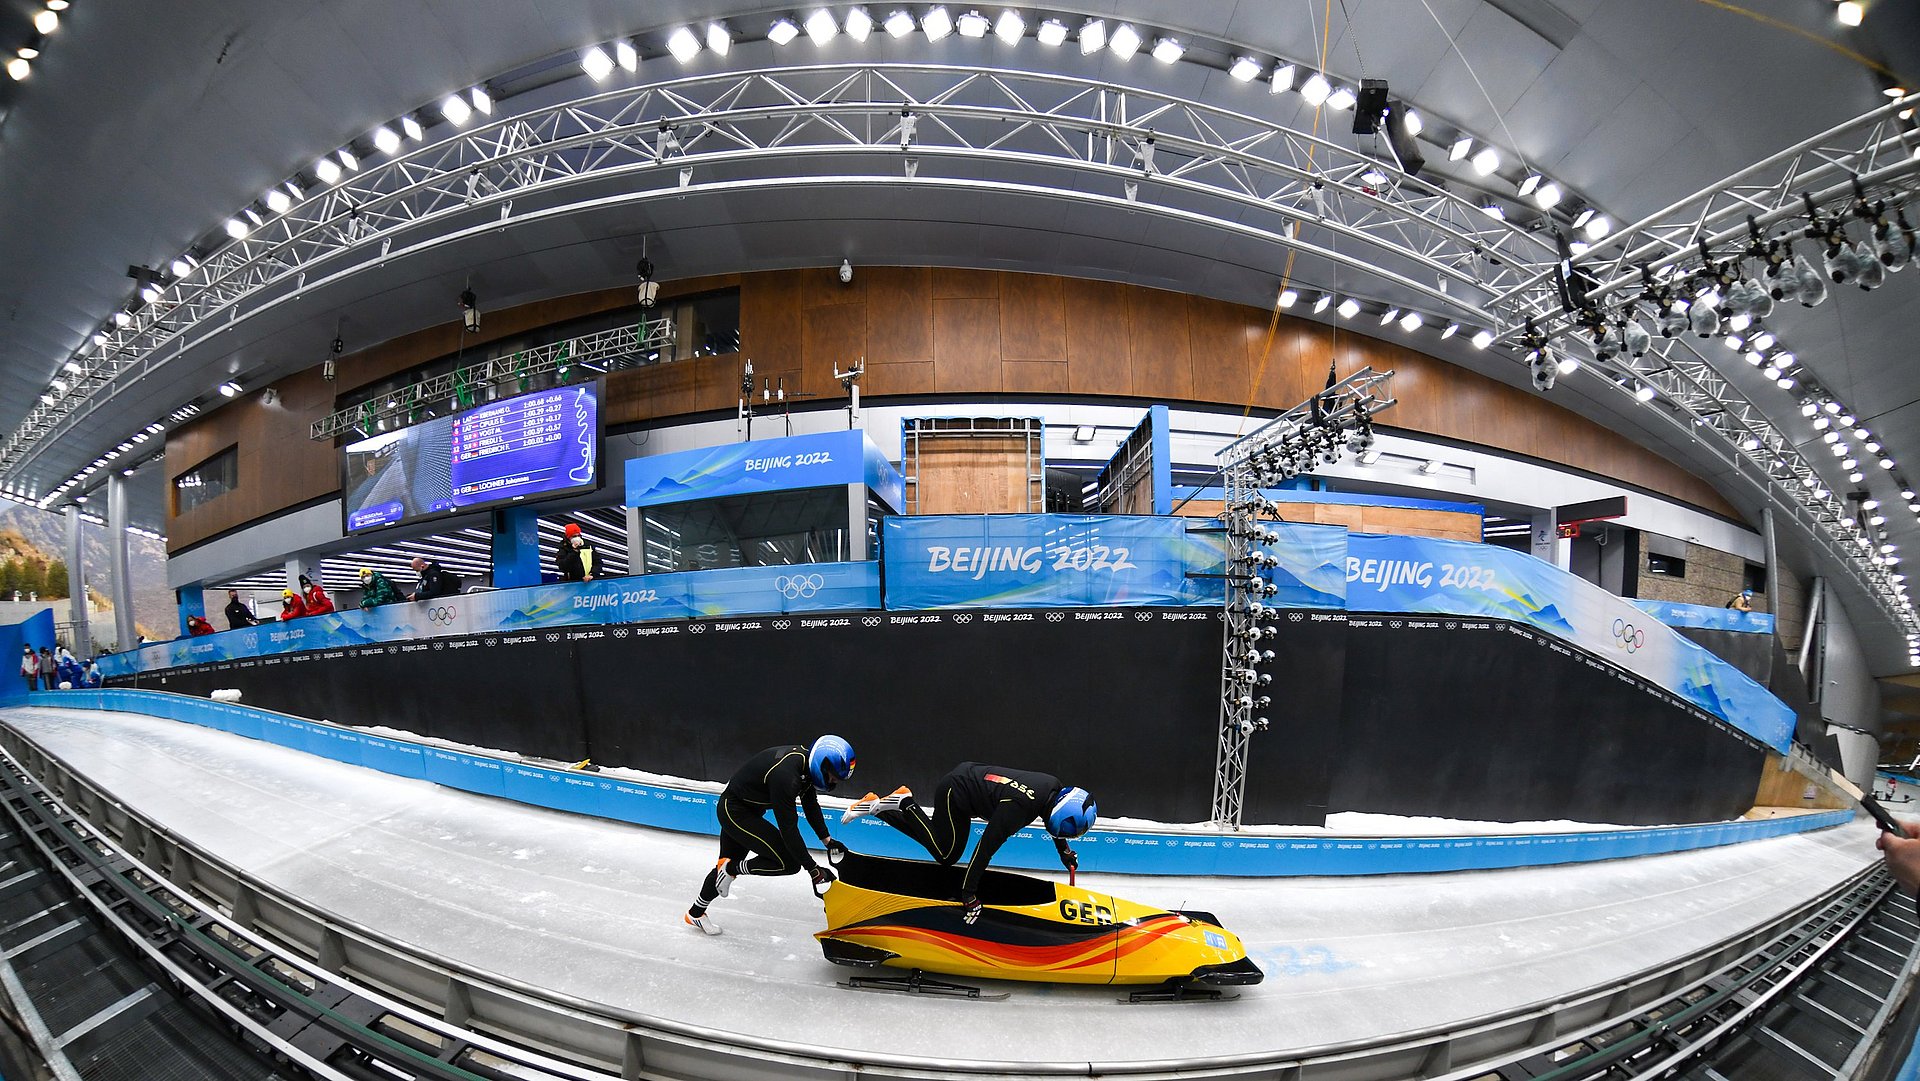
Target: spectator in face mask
(578, 560)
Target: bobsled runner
(902, 913)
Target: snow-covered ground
(592, 908)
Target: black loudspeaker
(1371, 106)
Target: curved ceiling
(140, 132)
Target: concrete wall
(1849, 694)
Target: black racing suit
(1006, 799)
(771, 780)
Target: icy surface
(592, 909)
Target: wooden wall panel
(952, 283)
(966, 345)
(1098, 334)
(1161, 350)
(972, 475)
(899, 315)
(1033, 318)
(948, 331)
(1223, 339)
(1033, 377)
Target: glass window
(775, 529)
(1670, 566)
(207, 481)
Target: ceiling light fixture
(1315, 90)
(683, 44)
(596, 63)
(1093, 36)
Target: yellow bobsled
(902, 913)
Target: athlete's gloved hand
(822, 878)
(969, 907)
(1068, 860)
(835, 851)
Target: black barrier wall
(1449, 718)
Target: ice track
(592, 909)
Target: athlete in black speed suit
(1007, 800)
(772, 781)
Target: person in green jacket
(375, 590)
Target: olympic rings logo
(442, 613)
(798, 586)
(1631, 638)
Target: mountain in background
(45, 535)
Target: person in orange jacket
(314, 598)
(291, 607)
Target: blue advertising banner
(1104, 849)
(813, 587)
(1707, 617)
(1312, 571)
(1046, 560)
(764, 465)
(1441, 577)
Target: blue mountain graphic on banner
(669, 486)
(1549, 616)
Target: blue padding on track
(1135, 852)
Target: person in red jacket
(314, 598)
(196, 626)
(291, 606)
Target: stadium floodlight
(684, 44)
(783, 32)
(385, 139)
(1283, 77)
(1486, 161)
(411, 128)
(822, 27)
(1348, 308)
(899, 24)
(1289, 297)
(456, 109)
(1460, 149)
(1482, 339)
(1341, 99)
(1052, 33)
(1093, 36)
(482, 101)
(596, 63)
(720, 39)
(236, 229)
(1010, 27)
(1124, 42)
(936, 24)
(1315, 90)
(1167, 50)
(327, 170)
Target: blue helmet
(829, 762)
(1073, 813)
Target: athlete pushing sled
(772, 781)
(1006, 799)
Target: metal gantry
(591, 354)
(1016, 130)
(1316, 432)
